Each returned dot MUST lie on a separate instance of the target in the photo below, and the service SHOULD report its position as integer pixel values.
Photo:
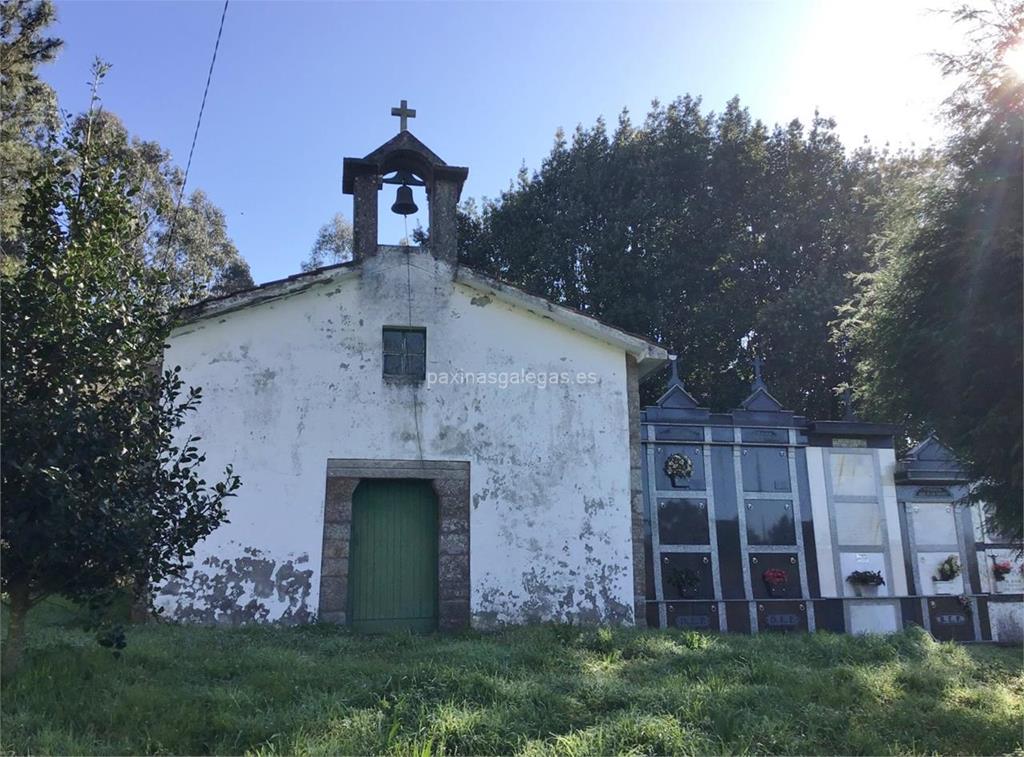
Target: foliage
(190, 243)
(531, 691)
(333, 244)
(198, 258)
(710, 233)
(866, 578)
(938, 322)
(28, 106)
(948, 569)
(99, 489)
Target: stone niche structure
(450, 481)
(760, 520)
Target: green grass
(541, 690)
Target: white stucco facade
(856, 518)
(293, 378)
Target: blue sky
(300, 85)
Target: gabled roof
(931, 461)
(270, 290)
(405, 140)
(761, 400)
(403, 151)
(649, 355)
(676, 396)
(931, 449)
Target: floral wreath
(678, 466)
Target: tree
(28, 106)
(710, 233)
(100, 488)
(333, 244)
(190, 243)
(938, 321)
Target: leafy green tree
(190, 243)
(938, 321)
(100, 489)
(333, 244)
(28, 106)
(708, 232)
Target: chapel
(420, 445)
(423, 447)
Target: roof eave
(271, 290)
(649, 356)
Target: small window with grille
(405, 353)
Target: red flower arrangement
(775, 577)
(1001, 569)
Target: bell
(404, 205)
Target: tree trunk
(140, 601)
(14, 644)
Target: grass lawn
(542, 690)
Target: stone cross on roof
(758, 379)
(404, 113)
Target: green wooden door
(392, 575)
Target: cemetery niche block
(683, 521)
(693, 457)
(765, 469)
(934, 523)
(866, 562)
(696, 616)
(782, 616)
(859, 523)
(766, 493)
(762, 566)
(687, 576)
(770, 521)
(853, 474)
(874, 617)
(950, 619)
(1002, 581)
(928, 569)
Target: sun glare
(1014, 59)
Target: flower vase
(865, 590)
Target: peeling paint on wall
(247, 589)
(290, 385)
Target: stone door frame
(450, 481)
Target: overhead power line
(199, 121)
